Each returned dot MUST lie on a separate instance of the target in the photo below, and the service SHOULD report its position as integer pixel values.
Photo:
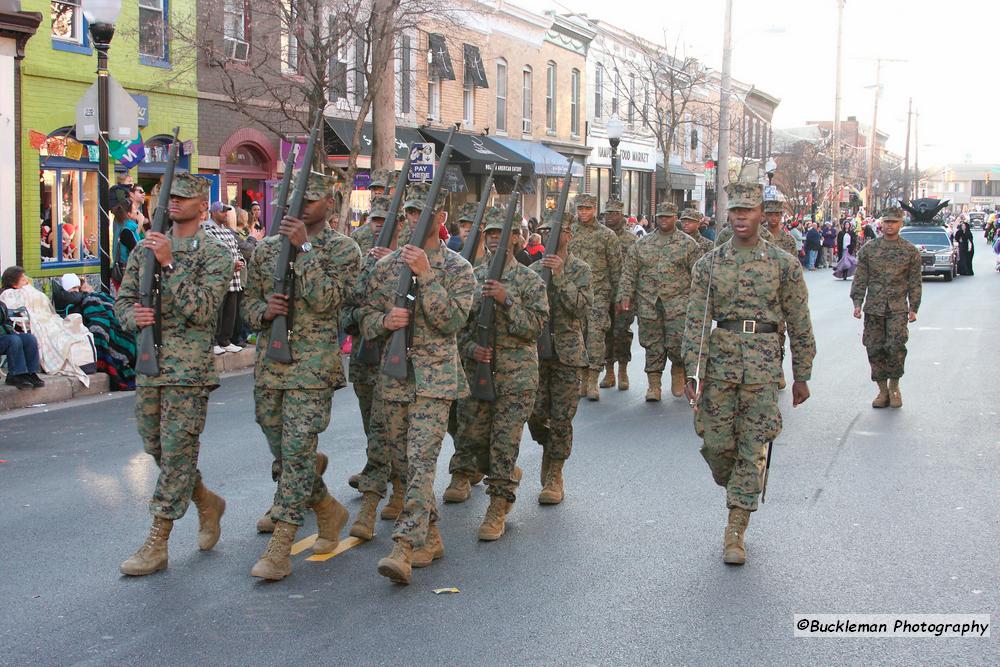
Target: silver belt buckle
(750, 326)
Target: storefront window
(69, 216)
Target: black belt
(747, 326)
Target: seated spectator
(21, 350)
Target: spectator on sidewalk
(814, 244)
(227, 328)
(21, 350)
(535, 249)
(829, 243)
(799, 241)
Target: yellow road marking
(302, 545)
(344, 545)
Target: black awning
(440, 58)
(338, 139)
(476, 153)
(475, 71)
(680, 178)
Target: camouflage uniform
(170, 408)
(601, 250)
(618, 341)
(705, 245)
(364, 236)
(570, 295)
(292, 400)
(888, 284)
(727, 234)
(657, 272)
(413, 413)
(489, 433)
(739, 413)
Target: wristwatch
(306, 247)
(508, 302)
(168, 268)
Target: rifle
(281, 200)
(767, 469)
(546, 350)
(472, 240)
(483, 387)
(284, 280)
(369, 353)
(150, 338)
(395, 360)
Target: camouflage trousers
(618, 340)
(551, 420)
(598, 323)
(735, 422)
(170, 420)
(381, 464)
(489, 439)
(885, 339)
(364, 392)
(292, 420)
(661, 338)
(414, 432)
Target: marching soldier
(691, 220)
(383, 465)
(887, 285)
(618, 342)
(489, 433)
(414, 411)
(551, 420)
(170, 408)
(366, 234)
(658, 272)
(747, 287)
(292, 401)
(773, 211)
(600, 249)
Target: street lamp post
(615, 128)
(102, 14)
(770, 168)
(813, 180)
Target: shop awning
(475, 71)
(547, 162)
(680, 177)
(341, 131)
(476, 153)
(440, 58)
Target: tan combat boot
(432, 550)
(653, 393)
(733, 551)
(895, 398)
(152, 555)
(331, 517)
(593, 393)
(677, 379)
(622, 376)
(364, 525)
(882, 400)
(395, 505)
(265, 524)
(459, 489)
(354, 481)
(396, 565)
(609, 375)
(553, 494)
(582, 375)
(210, 510)
(476, 478)
(546, 462)
(781, 380)
(493, 525)
(276, 563)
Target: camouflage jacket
(764, 284)
(190, 298)
(783, 240)
(364, 236)
(350, 323)
(626, 237)
(704, 244)
(600, 248)
(516, 330)
(441, 306)
(658, 270)
(569, 302)
(323, 277)
(888, 277)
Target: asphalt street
(868, 511)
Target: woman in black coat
(966, 248)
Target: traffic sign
(770, 192)
(421, 162)
(123, 114)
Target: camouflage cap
(666, 208)
(380, 207)
(774, 206)
(468, 212)
(692, 214)
(892, 213)
(318, 185)
(188, 186)
(745, 194)
(613, 206)
(586, 199)
(550, 219)
(416, 196)
(380, 178)
(493, 218)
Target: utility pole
(873, 142)
(906, 158)
(916, 155)
(721, 201)
(836, 115)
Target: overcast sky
(788, 48)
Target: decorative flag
(36, 139)
(94, 153)
(116, 149)
(135, 153)
(56, 146)
(74, 149)
(187, 148)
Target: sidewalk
(58, 388)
